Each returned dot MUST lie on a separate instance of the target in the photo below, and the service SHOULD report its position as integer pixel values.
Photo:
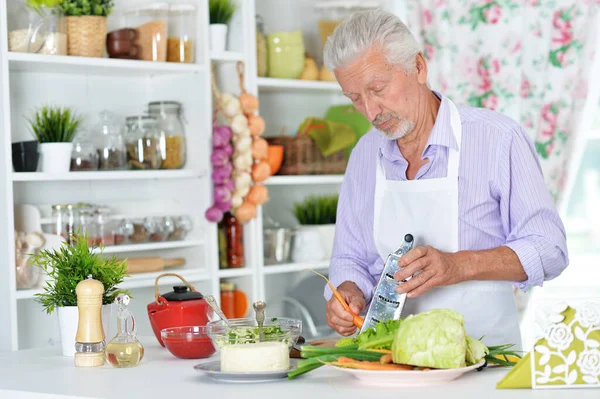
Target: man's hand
(436, 268)
(337, 317)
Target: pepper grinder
(89, 341)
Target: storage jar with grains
(84, 155)
(182, 33)
(143, 142)
(150, 22)
(172, 132)
(110, 144)
(42, 32)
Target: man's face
(384, 93)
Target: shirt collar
(440, 135)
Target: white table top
(46, 374)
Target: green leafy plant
(317, 210)
(221, 11)
(54, 125)
(37, 5)
(73, 263)
(78, 8)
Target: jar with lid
(150, 22)
(103, 232)
(84, 155)
(169, 115)
(110, 144)
(69, 213)
(143, 142)
(59, 226)
(261, 47)
(122, 231)
(142, 229)
(85, 223)
(161, 228)
(232, 236)
(182, 33)
(183, 225)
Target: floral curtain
(529, 59)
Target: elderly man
(465, 182)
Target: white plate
(213, 370)
(408, 378)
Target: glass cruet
(124, 350)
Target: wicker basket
(301, 156)
(86, 36)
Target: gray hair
(366, 29)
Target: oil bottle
(124, 350)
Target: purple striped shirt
(502, 198)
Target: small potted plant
(220, 13)
(314, 239)
(54, 129)
(66, 267)
(86, 26)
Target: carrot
(357, 320)
(384, 351)
(368, 365)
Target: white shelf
(141, 280)
(152, 246)
(227, 56)
(272, 84)
(25, 62)
(107, 175)
(240, 272)
(295, 267)
(304, 179)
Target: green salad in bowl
(245, 331)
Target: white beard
(404, 127)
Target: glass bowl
(245, 331)
(188, 342)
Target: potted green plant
(220, 13)
(314, 239)
(67, 266)
(54, 128)
(86, 26)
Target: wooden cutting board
(151, 264)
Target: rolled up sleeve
(349, 260)
(534, 230)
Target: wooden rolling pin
(151, 264)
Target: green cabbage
(476, 351)
(435, 339)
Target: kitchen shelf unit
(290, 180)
(107, 175)
(274, 84)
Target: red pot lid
(181, 293)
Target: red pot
(178, 308)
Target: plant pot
(307, 245)
(56, 157)
(68, 319)
(327, 233)
(218, 37)
(25, 156)
(86, 36)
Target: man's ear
(421, 66)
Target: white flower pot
(218, 37)
(56, 157)
(327, 232)
(68, 319)
(307, 245)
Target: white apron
(428, 209)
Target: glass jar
(161, 228)
(110, 143)
(143, 142)
(104, 233)
(69, 222)
(182, 33)
(183, 225)
(84, 155)
(261, 47)
(172, 132)
(39, 30)
(142, 230)
(123, 231)
(85, 223)
(58, 221)
(150, 23)
(228, 299)
(232, 232)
